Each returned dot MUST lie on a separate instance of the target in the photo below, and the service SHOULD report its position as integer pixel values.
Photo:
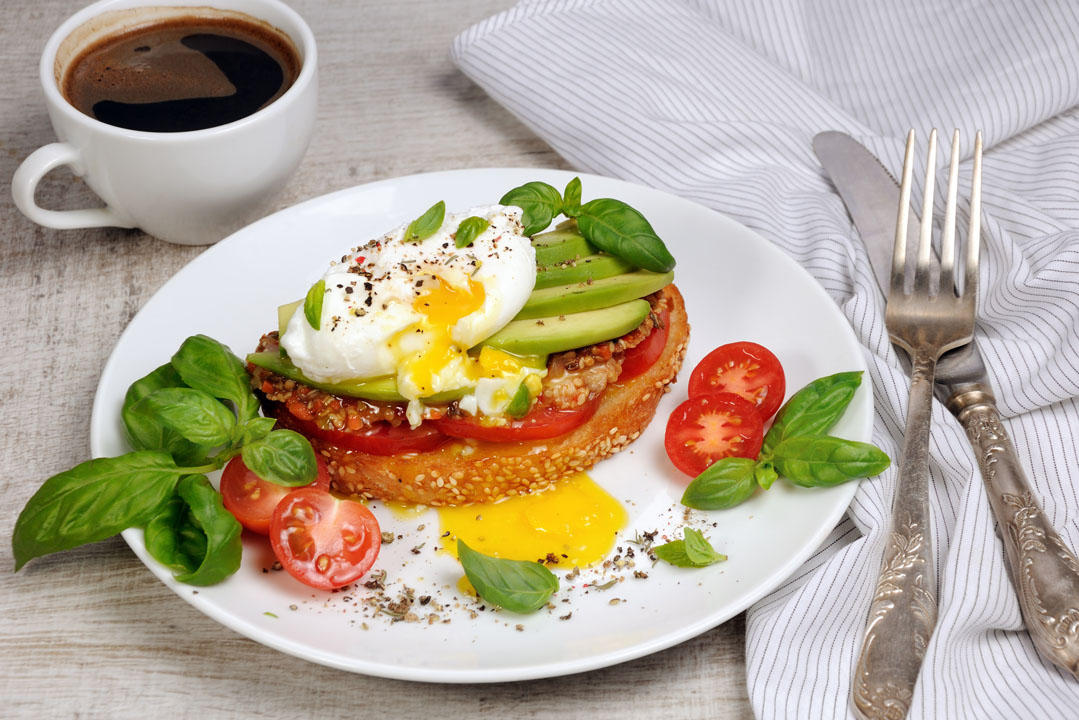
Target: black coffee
(182, 74)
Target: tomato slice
(252, 500)
(541, 423)
(707, 428)
(742, 368)
(322, 541)
(644, 355)
(380, 439)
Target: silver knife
(1044, 571)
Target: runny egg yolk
(575, 521)
(427, 355)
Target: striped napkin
(718, 101)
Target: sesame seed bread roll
(465, 471)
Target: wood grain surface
(90, 632)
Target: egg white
(368, 304)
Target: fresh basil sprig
(427, 224)
(571, 198)
(516, 585)
(616, 228)
(312, 304)
(175, 428)
(824, 461)
(470, 229)
(796, 448)
(205, 364)
(539, 202)
(693, 551)
(195, 535)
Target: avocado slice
(383, 388)
(567, 299)
(545, 335)
(560, 245)
(593, 267)
(284, 314)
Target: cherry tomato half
(707, 428)
(252, 500)
(742, 368)
(380, 439)
(322, 541)
(644, 355)
(540, 423)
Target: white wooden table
(90, 632)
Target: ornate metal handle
(1044, 571)
(904, 608)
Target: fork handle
(1043, 569)
(904, 607)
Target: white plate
(737, 287)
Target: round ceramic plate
(737, 287)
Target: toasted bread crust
(468, 471)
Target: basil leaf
(813, 410)
(173, 539)
(618, 229)
(93, 501)
(571, 198)
(516, 585)
(470, 229)
(765, 473)
(699, 551)
(312, 304)
(694, 551)
(192, 413)
(207, 365)
(824, 461)
(520, 403)
(539, 202)
(257, 428)
(144, 431)
(427, 224)
(726, 483)
(207, 513)
(282, 457)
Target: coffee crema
(182, 73)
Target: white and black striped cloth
(718, 101)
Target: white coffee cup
(194, 187)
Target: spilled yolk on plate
(576, 521)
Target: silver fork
(904, 608)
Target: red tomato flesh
(322, 541)
(743, 368)
(252, 500)
(380, 439)
(707, 428)
(644, 355)
(540, 423)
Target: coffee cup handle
(35, 167)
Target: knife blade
(1043, 570)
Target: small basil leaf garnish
(312, 304)
(571, 198)
(470, 229)
(206, 513)
(824, 461)
(520, 403)
(539, 202)
(93, 501)
(693, 551)
(198, 417)
(207, 365)
(282, 457)
(726, 483)
(256, 429)
(427, 224)
(813, 410)
(616, 228)
(765, 473)
(146, 432)
(516, 585)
